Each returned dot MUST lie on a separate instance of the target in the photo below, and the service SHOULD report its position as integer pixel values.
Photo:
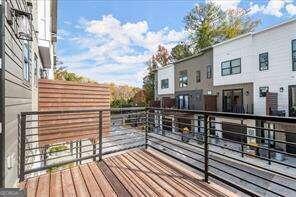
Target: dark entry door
(233, 101)
(292, 101)
(291, 137)
(233, 131)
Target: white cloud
(274, 7)
(226, 4)
(117, 49)
(291, 9)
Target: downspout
(2, 99)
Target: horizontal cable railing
(253, 154)
(54, 140)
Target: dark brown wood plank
(56, 189)
(43, 185)
(102, 181)
(143, 175)
(90, 181)
(80, 186)
(116, 184)
(168, 178)
(67, 183)
(31, 187)
(129, 180)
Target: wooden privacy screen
(56, 95)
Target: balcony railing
(233, 149)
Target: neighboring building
(165, 85)
(23, 63)
(265, 59)
(258, 70)
(194, 81)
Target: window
(183, 102)
(263, 91)
(263, 61)
(231, 67)
(26, 66)
(164, 83)
(294, 54)
(183, 79)
(197, 76)
(209, 71)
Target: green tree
(149, 82)
(61, 73)
(181, 51)
(207, 24)
(161, 56)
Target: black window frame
(293, 56)
(162, 85)
(261, 93)
(209, 72)
(182, 81)
(198, 76)
(231, 67)
(263, 62)
(184, 106)
(26, 62)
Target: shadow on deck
(134, 173)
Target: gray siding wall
(18, 96)
(192, 65)
(195, 90)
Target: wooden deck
(135, 173)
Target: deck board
(134, 173)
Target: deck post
(22, 147)
(100, 134)
(146, 129)
(206, 148)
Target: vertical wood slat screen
(56, 95)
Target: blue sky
(110, 41)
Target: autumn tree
(208, 24)
(181, 51)
(161, 56)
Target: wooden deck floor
(135, 173)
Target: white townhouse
(266, 59)
(165, 82)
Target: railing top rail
(231, 115)
(82, 110)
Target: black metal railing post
(206, 148)
(147, 126)
(269, 155)
(100, 134)
(22, 146)
(241, 137)
(94, 150)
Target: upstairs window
(183, 79)
(164, 83)
(197, 76)
(26, 65)
(263, 61)
(263, 91)
(294, 54)
(209, 71)
(183, 102)
(231, 67)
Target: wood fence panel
(55, 95)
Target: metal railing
(253, 154)
(58, 139)
(230, 148)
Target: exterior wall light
(247, 93)
(281, 89)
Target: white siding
(166, 73)
(277, 42)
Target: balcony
(74, 153)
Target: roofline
(257, 32)
(201, 52)
(166, 66)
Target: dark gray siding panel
(17, 96)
